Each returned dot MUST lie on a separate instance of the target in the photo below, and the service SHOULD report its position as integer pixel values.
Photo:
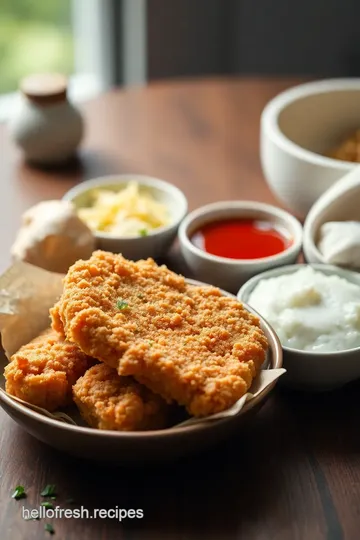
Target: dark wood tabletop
(292, 473)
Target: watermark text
(81, 513)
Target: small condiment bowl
(298, 127)
(339, 203)
(156, 242)
(230, 274)
(307, 370)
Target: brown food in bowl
(44, 371)
(189, 344)
(108, 401)
(348, 149)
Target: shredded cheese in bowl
(131, 211)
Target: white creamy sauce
(310, 310)
(339, 243)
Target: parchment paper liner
(26, 295)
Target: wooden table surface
(294, 472)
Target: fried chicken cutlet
(188, 344)
(44, 371)
(108, 401)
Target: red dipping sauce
(241, 239)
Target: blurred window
(74, 37)
(35, 35)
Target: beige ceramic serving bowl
(300, 125)
(155, 243)
(310, 370)
(229, 274)
(138, 447)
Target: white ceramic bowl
(229, 274)
(310, 370)
(338, 203)
(157, 242)
(297, 128)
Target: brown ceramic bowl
(139, 447)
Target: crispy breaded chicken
(188, 344)
(108, 401)
(44, 371)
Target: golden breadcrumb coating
(188, 344)
(56, 322)
(44, 371)
(108, 401)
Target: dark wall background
(305, 37)
(187, 37)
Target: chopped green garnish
(120, 304)
(143, 232)
(53, 498)
(140, 296)
(19, 493)
(49, 528)
(70, 500)
(150, 343)
(47, 504)
(49, 491)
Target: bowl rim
(249, 286)
(276, 359)
(203, 211)
(309, 244)
(143, 180)
(271, 112)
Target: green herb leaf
(120, 304)
(47, 504)
(49, 491)
(143, 232)
(53, 498)
(150, 343)
(49, 528)
(19, 493)
(141, 296)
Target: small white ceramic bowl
(300, 125)
(338, 203)
(226, 273)
(309, 370)
(156, 242)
